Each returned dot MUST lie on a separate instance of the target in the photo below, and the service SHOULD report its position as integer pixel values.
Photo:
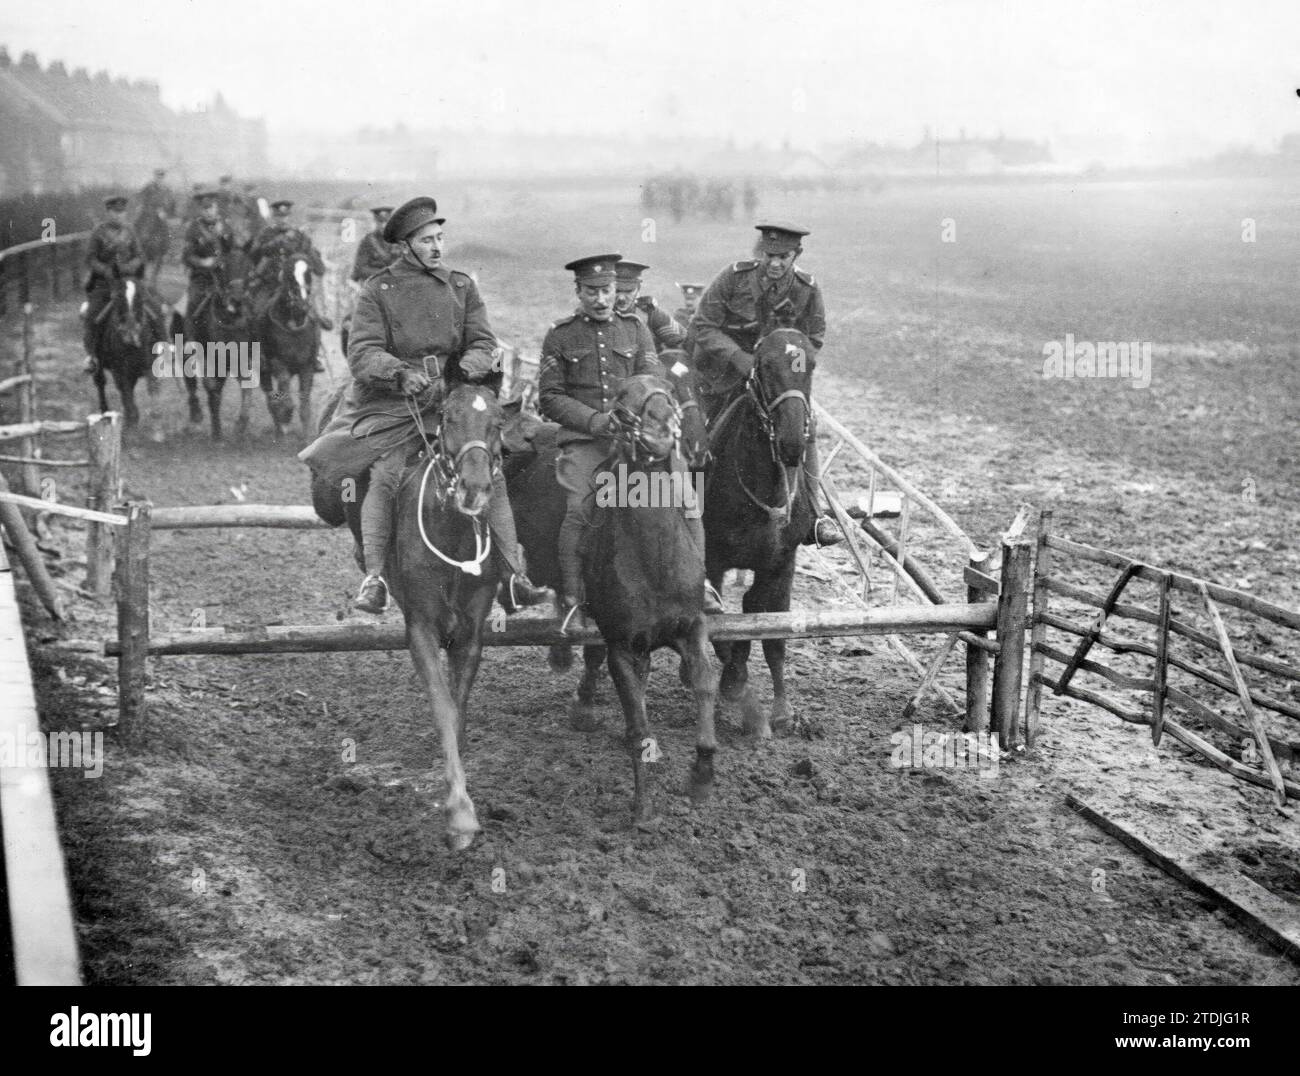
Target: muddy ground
(280, 822)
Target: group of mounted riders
(221, 247)
(420, 328)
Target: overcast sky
(1123, 80)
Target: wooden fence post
(977, 661)
(1038, 634)
(54, 272)
(29, 473)
(25, 281)
(132, 617)
(4, 305)
(104, 450)
(1007, 665)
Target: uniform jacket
(739, 308)
(203, 240)
(155, 196)
(405, 314)
(275, 241)
(112, 245)
(666, 331)
(583, 361)
(373, 254)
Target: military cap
(116, 201)
(692, 291)
(628, 274)
(411, 215)
(777, 237)
(206, 196)
(160, 172)
(596, 269)
(282, 204)
(226, 179)
(376, 210)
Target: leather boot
(517, 590)
(824, 532)
(712, 600)
(373, 596)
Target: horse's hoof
(754, 718)
(458, 842)
(583, 717)
(700, 787)
(559, 658)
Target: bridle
(629, 428)
(766, 409)
(282, 297)
(445, 470)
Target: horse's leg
(626, 669)
(100, 383)
(245, 396)
(560, 656)
(776, 599)
(305, 417)
(213, 386)
(704, 682)
(192, 390)
(583, 714)
(126, 391)
(463, 658)
(422, 640)
(754, 718)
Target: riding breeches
(381, 499)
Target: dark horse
(758, 503)
(124, 344)
(222, 319)
(290, 339)
(644, 578)
(440, 569)
(154, 233)
(532, 486)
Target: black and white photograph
(682, 493)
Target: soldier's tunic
(666, 330)
(738, 309)
(583, 360)
(157, 197)
(273, 245)
(407, 318)
(373, 254)
(203, 240)
(113, 251)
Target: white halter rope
(482, 535)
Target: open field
(238, 846)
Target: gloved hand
(412, 382)
(603, 425)
(478, 365)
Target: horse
(222, 318)
(643, 574)
(154, 232)
(291, 338)
(758, 507)
(532, 486)
(441, 573)
(122, 345)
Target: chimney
(81, 74)
(5, 61)
(57, 68)
(28, 62)
(102, 77)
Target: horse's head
(128, 320)
(469, 447)
(695, 436)
(295, 288)
(781, 384)
(649, 420)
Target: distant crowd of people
(683, 195)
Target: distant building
(948, 156)
(67, 131)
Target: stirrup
(576, 607)
(710, 591)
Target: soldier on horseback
(374, 252)
(628, 299)
(207, 242)
(684, 314)
(274, 244)
(418, 327)
(584, 357)
(745, 302)
(156, 197)
(113, 253)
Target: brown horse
(441, 571)
(290, 339)
(533, 488)
(221, 318)
(758, 505)
(125, 343)
(643, 574)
